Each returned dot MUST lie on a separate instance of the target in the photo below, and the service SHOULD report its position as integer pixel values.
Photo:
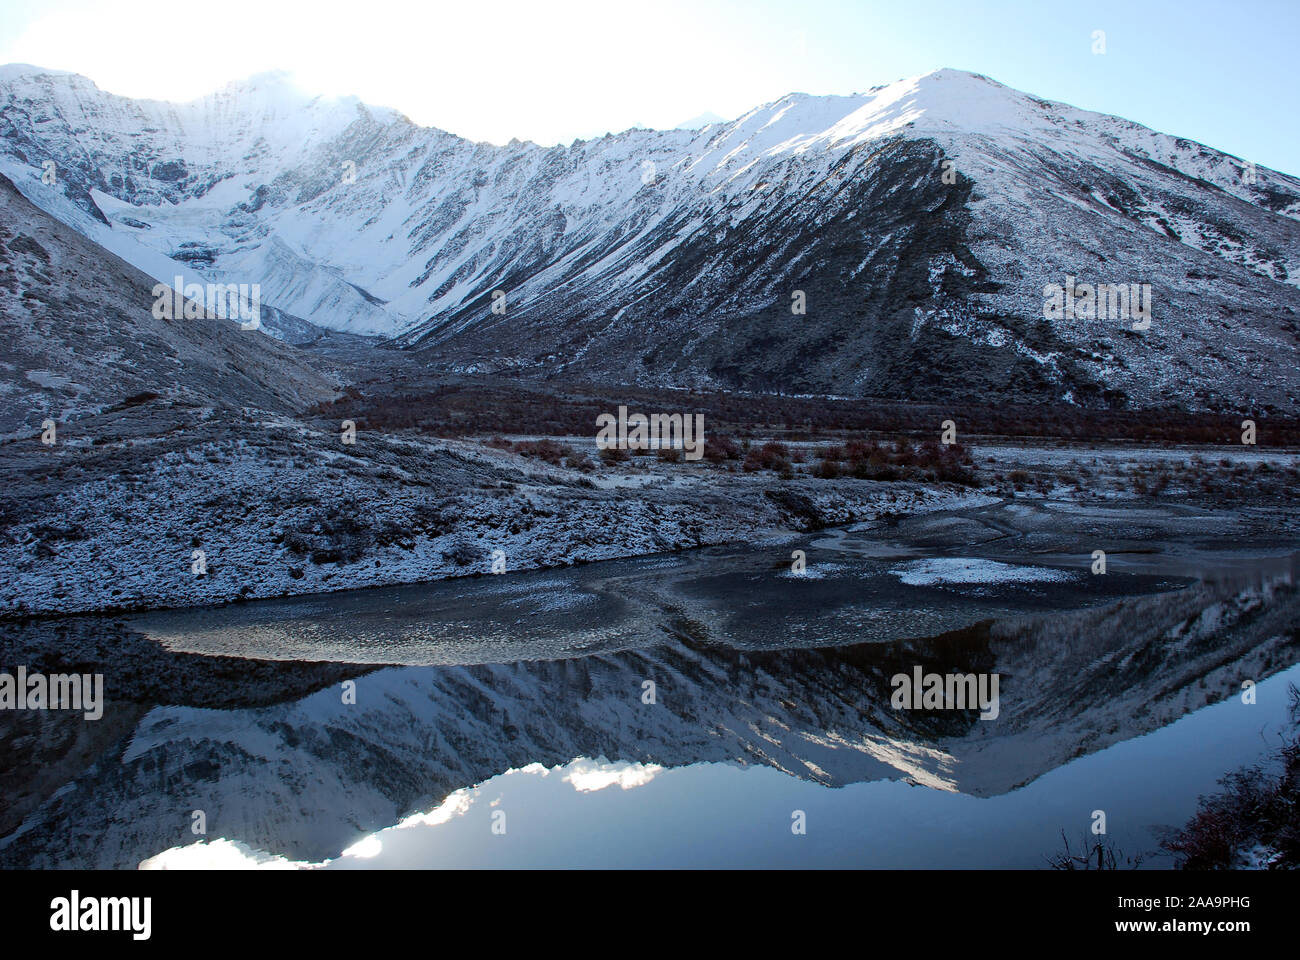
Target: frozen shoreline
(277, 509)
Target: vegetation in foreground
(1254, 821)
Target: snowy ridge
(354, 218)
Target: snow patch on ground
(942, 570)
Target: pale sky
(491, 70)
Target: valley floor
(174, 506)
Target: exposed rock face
(81, 337)
(922, 222)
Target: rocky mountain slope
(81, 338)
(921, 222)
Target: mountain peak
(9, 71)
(249, 184)
(12, 72)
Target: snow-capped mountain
(919, 224)
(81, 338)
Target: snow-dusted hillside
(673, 255)
(81, 339)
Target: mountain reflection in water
(1117, 693)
